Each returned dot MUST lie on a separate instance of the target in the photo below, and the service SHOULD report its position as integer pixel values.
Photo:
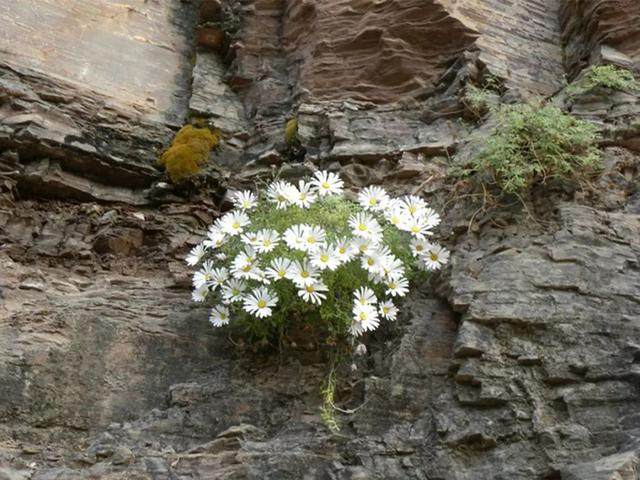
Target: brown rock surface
(518, 362)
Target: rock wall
(520, 361)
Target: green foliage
(607, 76)
(333, 317)
(478, 99)
(188, 152)
(328, 411)
(535, 143)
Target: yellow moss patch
(291, 131)
(188, 152)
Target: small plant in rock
(533, 144)
(478, 99)
(607, 76)
(306, 255)
(188, 152)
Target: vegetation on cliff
(188, 152)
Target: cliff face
(520, 361)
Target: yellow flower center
(303, 196)
(235, 225)
(324, 258)
(281, 273)
(363, 248)
(385, 310)
(413, 209)
(311, 240)
(415, 229)
(342, 250)
(310, 289)
(304, 274)
(433, 256)
(325, 185)
(223, 316)
(362, 227)
(246, 268)
(362, 316)
(392, 285)
(370, 262)
(262, 303)
(266, 242)
(373, 201)
(282, 198)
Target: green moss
(607, 76)
(532, 144)
(188, 152)
(291, 132)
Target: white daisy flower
(245, 200)
(325, 257)
(364, 246)
(398, 287)
(219, 316)
(314, 237)
(413, 205)
(395, 215)
(221, 256)
(233, 223)
(416, 226)
(195, 255)
(364, 225)
(249, 238)
(435, 257)
(431, 217)
(313, 293)
(388, 310)
(392, 267)
(259, 302)
(280, 267)
(215, 238)
(204, 276)
(200, 294)
(364, 296)
(345, 250)
(267, 240)
(373, 198)
(418, 246)
(295, 237)
(244, 265)
(327, 183)
(218, 277)
(281, 193)
(244, 258)
(366, 316)
(303, 274)
(304, 195)
(372, 262)
(233, 290)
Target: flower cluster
(307, 247)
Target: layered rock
(597, 31)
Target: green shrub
(607, 76)
(478, 99)
(532, 144)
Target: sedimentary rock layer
(370, 51)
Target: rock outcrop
(520, 361)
